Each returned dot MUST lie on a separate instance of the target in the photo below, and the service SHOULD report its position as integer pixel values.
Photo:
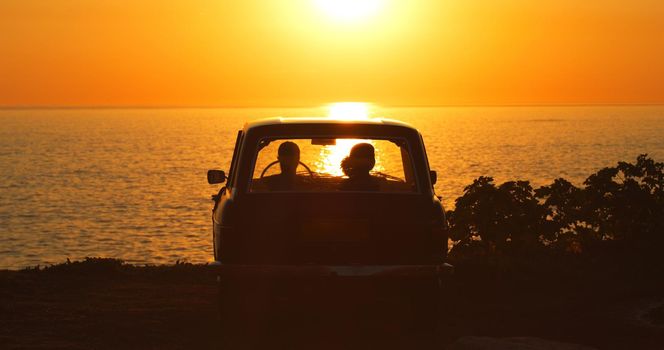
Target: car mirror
(434, 176)
(216, 176)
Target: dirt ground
(103, 304)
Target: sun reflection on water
(329, 160)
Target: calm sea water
(131, 183)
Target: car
(338, 208)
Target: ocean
(131, 183)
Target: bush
(623, 203)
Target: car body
(396, 234)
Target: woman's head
(360, 160)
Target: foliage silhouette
(503, 217)
(622, 204)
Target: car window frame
(234, 159)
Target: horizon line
(18, 107)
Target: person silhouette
(357, 166)
(288, 156)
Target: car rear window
(333, 165)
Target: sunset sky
(308, 52)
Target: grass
(104, 303)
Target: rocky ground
(103, 304)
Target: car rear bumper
(367, 297)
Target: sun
(350, 10)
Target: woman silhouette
(357, 166)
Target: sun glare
(349, 110)
(349, 10)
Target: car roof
(276, 121)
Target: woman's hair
(360, 160)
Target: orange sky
(289, 53)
